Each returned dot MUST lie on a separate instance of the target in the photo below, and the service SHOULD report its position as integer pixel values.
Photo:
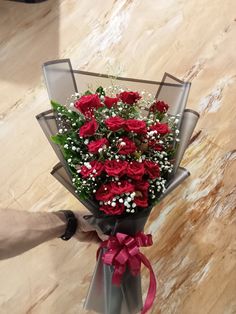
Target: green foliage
(56, 106)
(88, 92)
(100, 91)
(73, 117)
(59, 139)
(83, 195)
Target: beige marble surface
(194, 255)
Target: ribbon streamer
(121, 251)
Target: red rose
(129, 97)
(104, 193)
(135, 170)
(152, 169)
(126, 146)
(161, 128)
(137, 126)
(87, 104)
(89, 128)
(124, 187)
(115, 168)
(94, 146)
(160, 106)
(141, 201)
(142, 186)
(94, 167)
(155, 145)
(115, 123)
(110, 101)
(110, 210)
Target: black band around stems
(72, 224)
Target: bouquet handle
(106, 298)
(103, 296)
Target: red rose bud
(129, 97)
(104, 193)
(152, 169)
(137, 126)
(115, 168)
(94, 167)
(94, 146)
(124, 187)
(89, 128)
(126, 146)
(118, 209)
(110, 101)
(115, 123)
(161, 128)
(135, 170)
(87, 104)
(160, 106)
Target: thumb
(101, 235)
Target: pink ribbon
(122, 251)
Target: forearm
(21, 231)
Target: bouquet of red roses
(119, 151)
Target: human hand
(85, 231)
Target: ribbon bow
(122, 251)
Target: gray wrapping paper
(62, 81)
(49, 126)
(176, 96)
(59, 79)
(188, 124)
(180, 175)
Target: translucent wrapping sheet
(187, 126)
(62, 81)
(59, 80)
(180, 175)
(176, 96)
(49, 126)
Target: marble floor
(194, 228)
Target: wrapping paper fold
(62, 81)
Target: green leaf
(83, 195)
(100, 109)
(88, 92)
(100, 91)
(58, 139)
(73, 116)
(56, 106)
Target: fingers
(91, 236)
(86, 226)
(87, 232)
(101, 235)
(88, 237)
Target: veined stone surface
(194, 229)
